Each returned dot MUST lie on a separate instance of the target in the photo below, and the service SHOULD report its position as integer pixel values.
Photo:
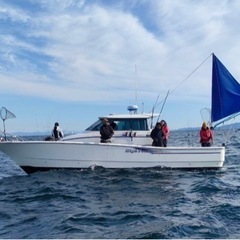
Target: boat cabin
(131, 128)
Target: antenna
(136, 100)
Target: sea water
(124, 203)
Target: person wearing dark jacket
(157, 135)
(106, 132)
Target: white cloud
(89, 51)
(13, 14)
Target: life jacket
(56, 133)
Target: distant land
(235, 126)
(227, 126)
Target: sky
(71, 61)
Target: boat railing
(4, 136)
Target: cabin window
(132, 124)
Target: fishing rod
(163, 105)
(154, 106)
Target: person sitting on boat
(166, 131)
(206, 135)
(157, 135)
(57, 132)
(106, 131)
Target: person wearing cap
(57, 132)
(106, 131)
(206, 136)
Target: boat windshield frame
(123, 124)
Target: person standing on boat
(206, 136)
(113, 125)
(57, 132)
(106, 131)
(157, 135)
(166, 131)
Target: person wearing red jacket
(206, 136)
(166, 131)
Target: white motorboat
(130, 147)
(41, 155)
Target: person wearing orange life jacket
(166, 132)
(206, 136)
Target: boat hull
(41, 155)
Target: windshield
(122, 124)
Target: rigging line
(189, 75)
